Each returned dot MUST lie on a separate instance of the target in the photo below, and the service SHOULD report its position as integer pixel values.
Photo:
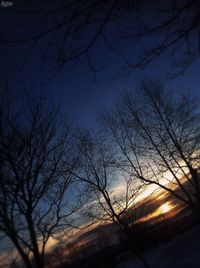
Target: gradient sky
(73, 86)
(80, 96)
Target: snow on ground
(181, 252)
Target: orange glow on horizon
(163, 209)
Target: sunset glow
(165, 208)
(99, 134)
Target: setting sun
(165, 208)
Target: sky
(81, 97)
(73, 86)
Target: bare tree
(67, 30)
(158, 135)
(36, 197)
(112, 191)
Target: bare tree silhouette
(158, 138)
(35, 197)
(99, 173)
(67, 30)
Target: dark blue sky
(85, 99)
(73, 85)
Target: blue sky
(73, 85)
(83, 98)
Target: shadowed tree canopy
(62, 31)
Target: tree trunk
(195, 208)
(23, 255)
(37, 256)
